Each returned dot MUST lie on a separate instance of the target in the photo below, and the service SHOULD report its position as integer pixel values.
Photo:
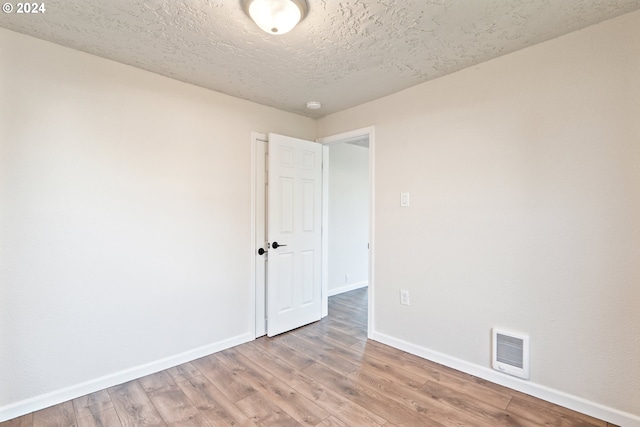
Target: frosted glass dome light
(276, 16)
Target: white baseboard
(36, 403)
(347, 288)
(566, 400)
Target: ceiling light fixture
(276, 16)
(314, 105)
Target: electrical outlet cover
(404, 297)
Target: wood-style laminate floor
(326, 374)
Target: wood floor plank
(229, 383)
(106, 418)
(355, 301)
(543, 405)
(321, 351)
(270, 362)
(133, 406)
(359, 393)
(90, 404)
(422, 423)
(340, 406)
(23, 421)
(293, 403)
(296, 359)
(349, 305)
(349, 313)
(182, 372)
(158, 382)
(434, 409)
(413, 380)
(382, 351)
(416, 367)
(426, 408)
(334, 334)
(349, 319)
(243, 366)
(211, 402)
(264, 412)
(333, 342)
(176, 408)
(332, 422)
(194, 422)
(357, 331)
(498, 397)
(171, 402)
(62, 415)
(543, 416)
(461, 402)
(348, 324)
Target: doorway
(347, 213)
(352, 139)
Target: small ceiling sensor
(313, 105)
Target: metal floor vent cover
(510, 353)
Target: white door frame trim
(255, 137)
(335, 139)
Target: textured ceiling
(343, 54)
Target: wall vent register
(510, 353)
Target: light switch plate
(404, 200)
(404, 297)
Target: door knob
(276, 245)
(261, 251)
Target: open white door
(294, 286)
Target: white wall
(124, 220)
(348, 217)
(524, 174)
